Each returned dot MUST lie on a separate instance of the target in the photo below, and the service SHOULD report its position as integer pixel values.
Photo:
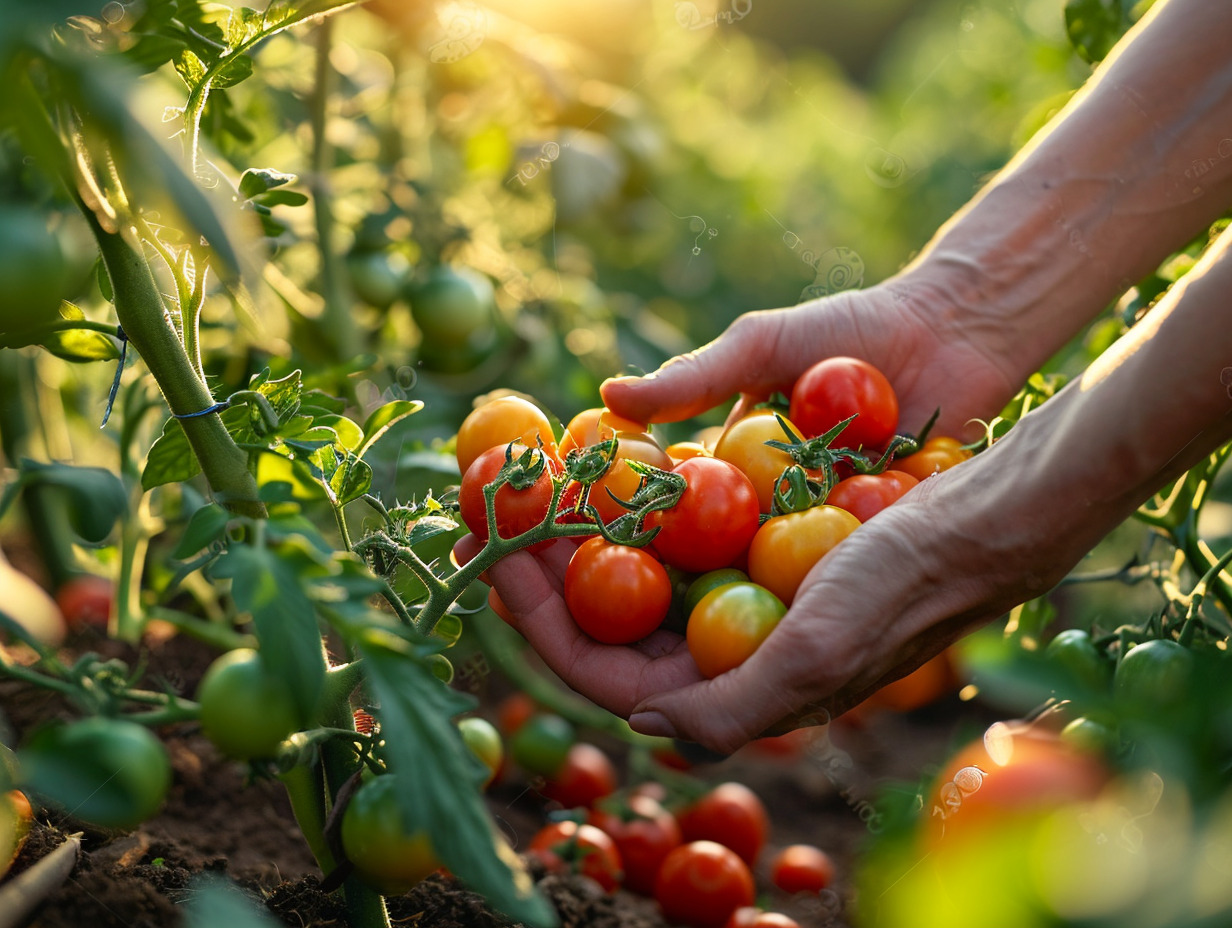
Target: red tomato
(714, 520)
(743, 443)
(498, 422)
(753, 917)
(729, 624)
(591, 426)
(620, 478)
(586, 775)
(700, 884)
(513, 712)
(786, 547)
(86, 600)
(938, 454)
(865, 495)
(801, 868)
(567, 847)
(835, 388)
(730, 814)
(617, 594)
(517, 511)
(644, 833)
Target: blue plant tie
(115, 384)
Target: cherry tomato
(1074, 652)
(801, 868)
(570, 847)
(730, 814)
(586, 776)
(514, 711)
(498, 422)
(743, 443)
(1153, 677)
(714, 520)
(835, 388)
(517, 511)
(377, 275)
(926, 684)
(246, 710)
(786, 547)
(729, 624)
(644, 833)
(390, 853)
(938, 454)
(484, 740)
(15, 818)
(683, 450)
(865, 495)
(701, 883)
(542, 743)
(620, 478)
(711, 580)
(453, 306)
(753, 917)
(591, 426)
(86, 600)
(617, 594)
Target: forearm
(1136, 165)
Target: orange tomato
(744, 444)
(498, 422)
(591, 426)
(938, 454)
(786, 547)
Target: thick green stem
(140, 309)
(305, 785)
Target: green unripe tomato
(245, 710)
(711, 580)
(1076, 654)
(32, 269)
(390, 853)
(110, 772)
(453, 307)
(542, 743)
(484, 740)
(1153, 677)
(379, 276)
(1090, 736)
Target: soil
(217, 819)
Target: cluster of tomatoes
(772, 495)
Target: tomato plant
(570, 847)
(743, 443)
(701, 883)
(801, 868)
(585, 777)
(787, 547)
(517, 509)
(714, 520)
(865, 495)
(729, 623)
(1154, 677)
(389, 853)
(938, 454)
(617, 594)
(836, 388)
(500, 421)
(732, 815)
(644, 833)
(246, 710)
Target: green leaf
(347, 432)
(283, 198)
(380, 420)
(96, 497)
(424, 745)
(213, 902)
(80, 345)
(295, 474)
(351, 480)
(270, 584)
(205, 526)
(256, 181)
(171, 458)
(1094, 26)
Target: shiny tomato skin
(485, 743)
(591, 426)
(620, 479)
(701, 883)
(390, 854)
(644, 833)
(743, 443)
(729, 624)
(786, 547)
(541, 743)
(617, 594)
(514, 711)
(835, 388)
(938, 454)
(586, 776)
(683, 450)
(801, 868)
(865, 495)
(246, 709)
(569, 847)
(498, 422)
(732, 815)
(714, 520)
(86, 600)
(517, 511)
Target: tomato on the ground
(498, 422)
(835, 388)
(390, 853)
(938, 454)
(644, 833)
(729, 624)
(15, 818)
(567, 847)
(246, 711)
(732, 815)
(743, 443)
(714, 520)
(617, 594)
(514, 711)
(787, 547)
(801, 868)
(517, 511)
(701, 883)
(484, 740)
(585, 777)
(865, 495)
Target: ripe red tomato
(701, 883)
(566, 846)
(517, 511)
(620, 478)
(786, 547)
(513, 712)
(743, 443)
(753, 917)
(644, 833)
(938, 454)
(86, 600)
(498, 422)
(865, 495)
(730, 623)
(617, 594)
(586, 776)
(714, 520)
(591, 426)
(801, 868)
(835, 388)
(731, 815)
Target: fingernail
(619, 381)
(652, 723)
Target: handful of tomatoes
(720, 537)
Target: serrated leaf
(237, 70)
(426, 527)
(383, 417)
(171, 458)
(205, 526)
(351, 480)
(424, 745)
(256, 181)
(190, 68)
